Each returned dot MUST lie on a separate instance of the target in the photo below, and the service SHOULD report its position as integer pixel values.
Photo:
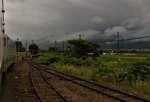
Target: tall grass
(81, 72)
(129, 73)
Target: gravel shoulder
(16, 86)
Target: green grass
(22, 86)
(122, 58)
(22, 55)
(82, 72)
(112, 70)
(121, 62)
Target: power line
(122, 40)
(135, 38)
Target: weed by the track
(22, 86)
(126, 72)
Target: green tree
(19, 46)
(140, 70)
(52, 49)
(33, 48)
(83, 47)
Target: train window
(5, 41)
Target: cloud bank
(65, 19)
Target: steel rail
(51, 86)
(96, 84)
(86, 86)
(33, 84)
(112, 89)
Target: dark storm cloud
(36, 19)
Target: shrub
(72, 61)
(139, 71)
(103, 73)
(81, 72)
(49, 59)
(82, 47)
(91, 62)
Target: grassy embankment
(22, 55)
(126, 72)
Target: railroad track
(45, 92)
(110, 92)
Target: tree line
(33, 48)
(77, 47)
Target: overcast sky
(65, 19)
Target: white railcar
(7, 48)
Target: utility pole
(118, 43)
(32, 41)
(55, 45)
(80, 36)
(26, 48)
(63, 46)
(110, 46)
(17, 48)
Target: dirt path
(16, 84)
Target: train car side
(7, 54)
(7, 46)
(1, 58)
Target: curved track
(110, 92)
(45, 92)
